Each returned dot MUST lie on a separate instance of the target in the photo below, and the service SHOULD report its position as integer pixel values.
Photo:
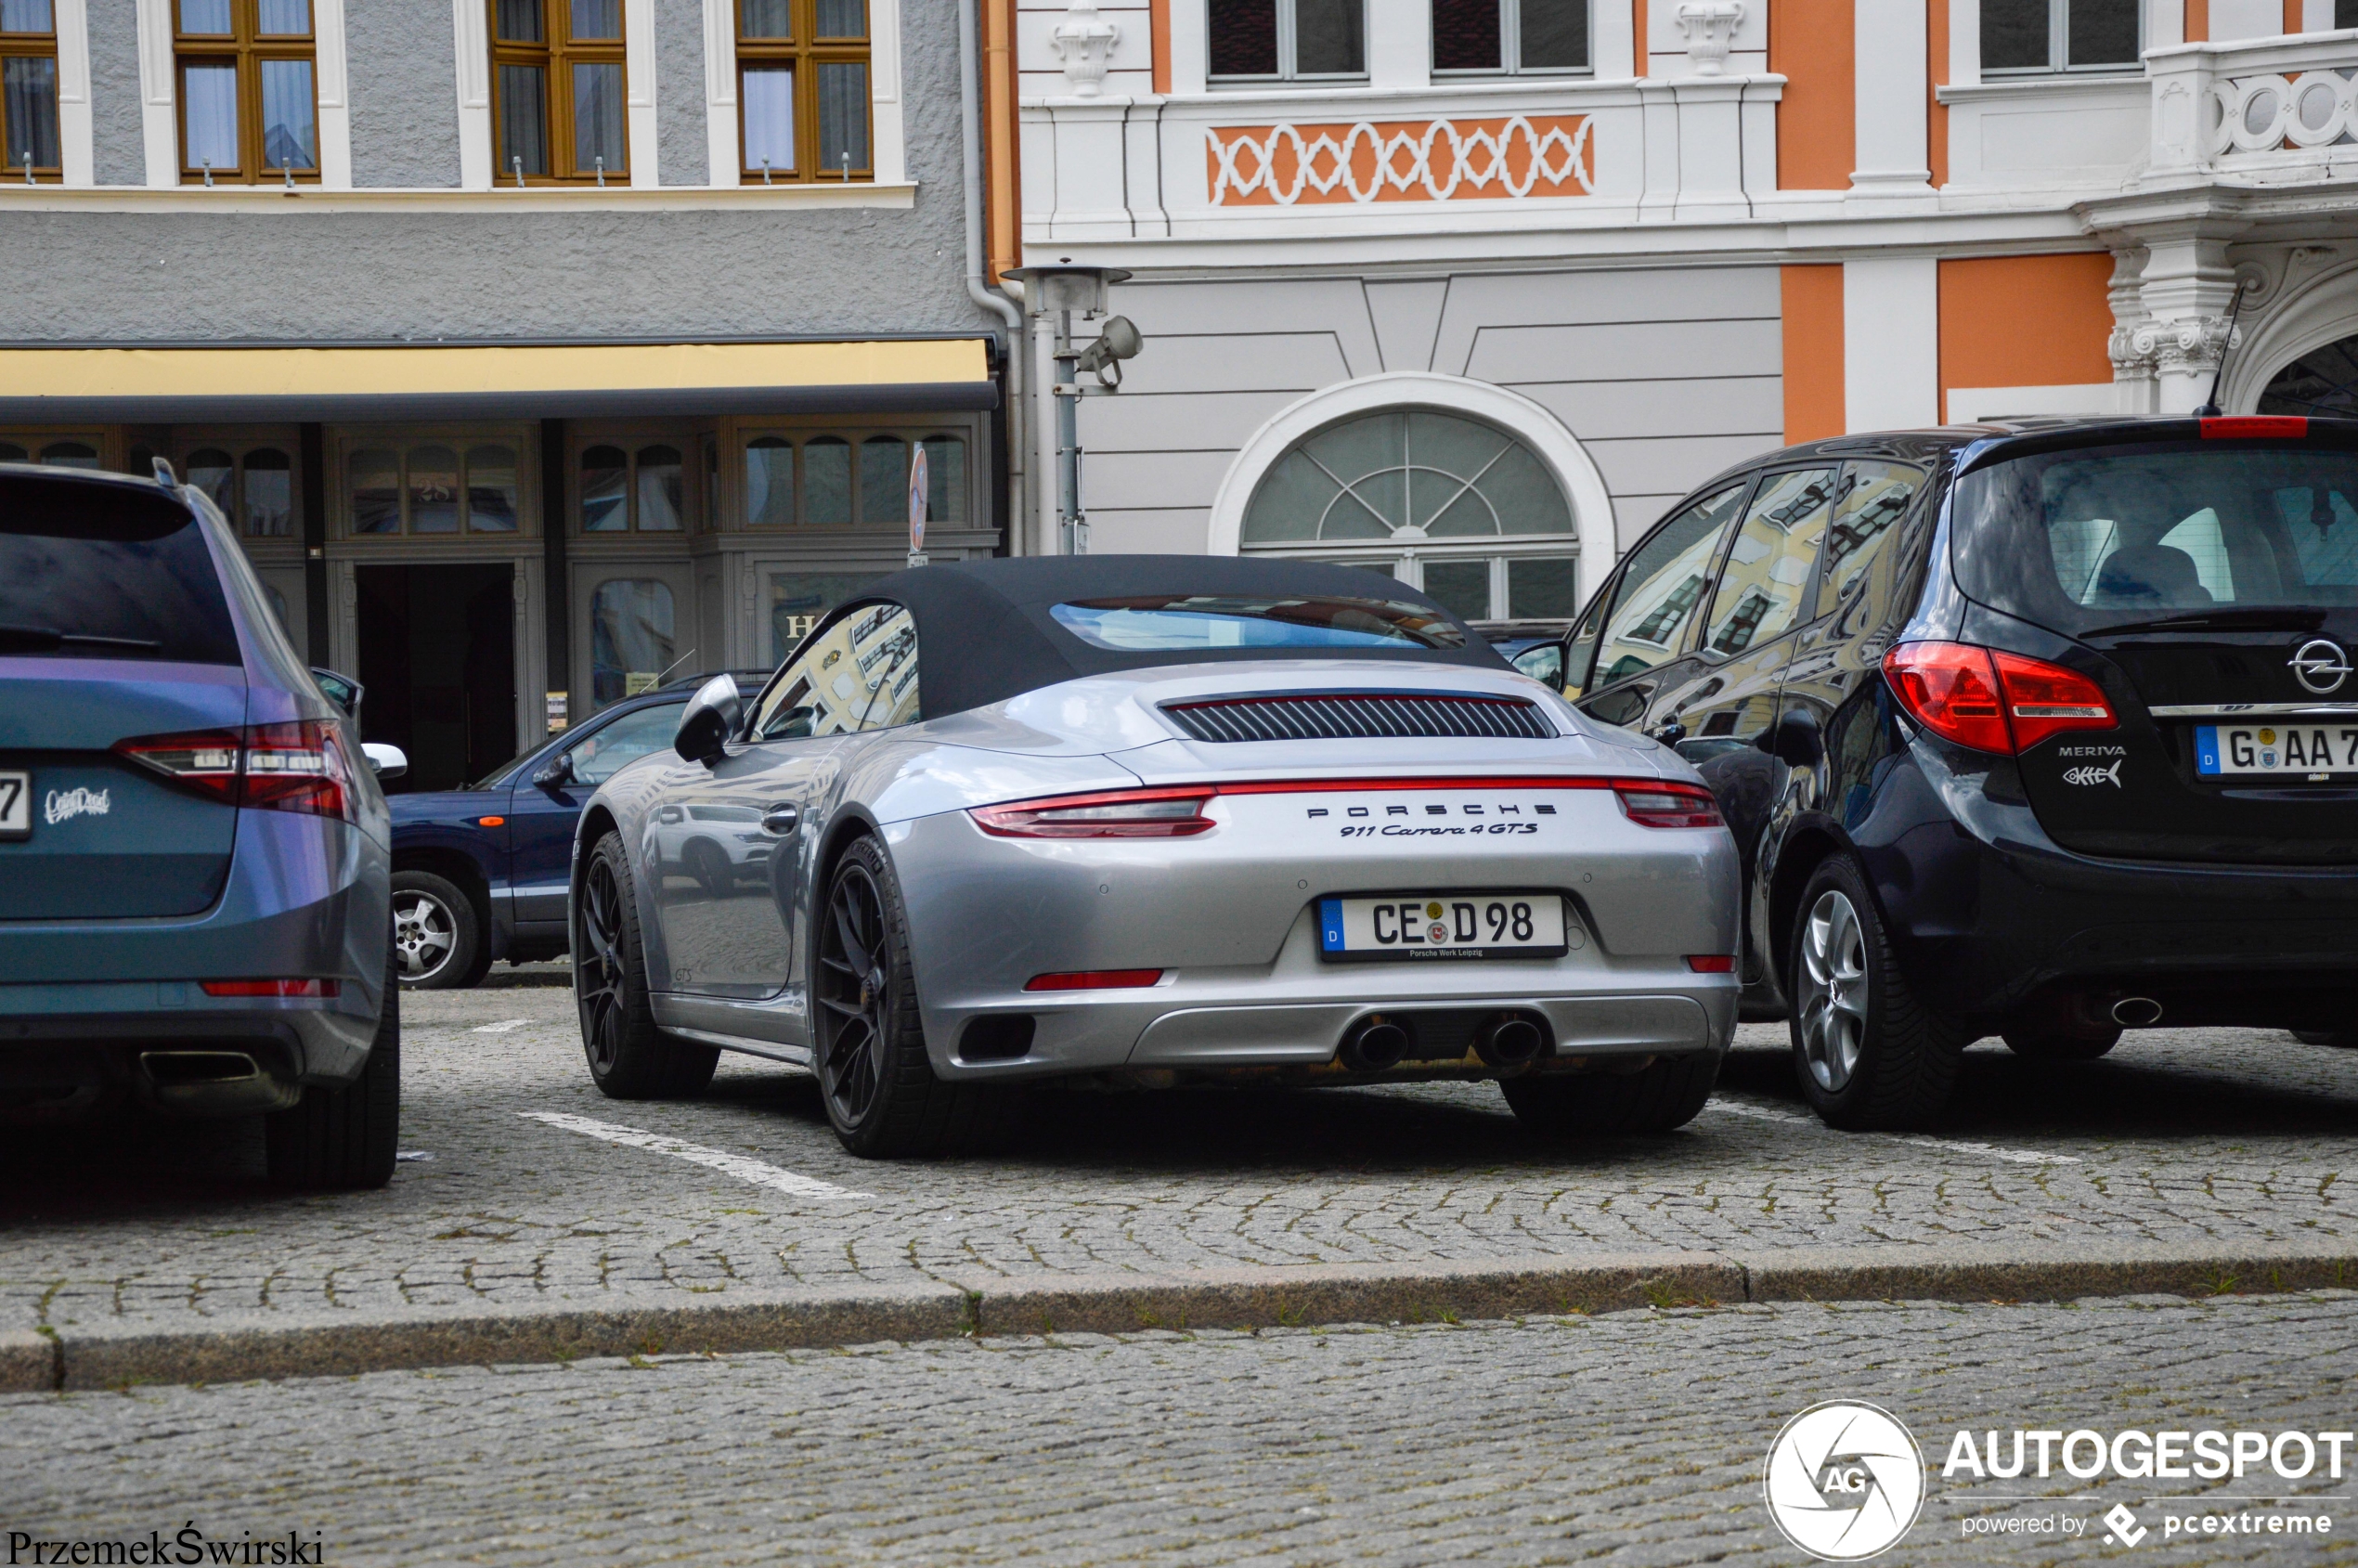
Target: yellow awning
(422, 380)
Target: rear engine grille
(1351, 716)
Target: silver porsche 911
(1148, 820)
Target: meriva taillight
(1991, 700)
(298, 766)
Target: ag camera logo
(1845, 1480)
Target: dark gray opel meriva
(195, 870)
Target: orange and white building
(1472, 290)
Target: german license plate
(1441, 925)
(16, 805)
(2285, 751)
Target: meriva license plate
(2295, 750)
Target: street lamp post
(1061, 290)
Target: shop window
(29, 91)
(662, 489)
(255, 489)
(826, 481)
(2021, 36)
(768, 482)
(248, 111)
(623, 491)
(945, 478)
(71, 454)
(492, 491)
(883, 479)
(802, 90)
(557, 85)
(1509, 37)
(11, 452)
(429, 488)
(711, 485)
(1288, 40)
(630, 639)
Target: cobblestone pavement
(1631, 1438)
(2189, 1137)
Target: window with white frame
(29, 141)
(2022, 36)
(1509, 37)
(1288, 40)
(1448, 504)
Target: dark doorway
(437, 659)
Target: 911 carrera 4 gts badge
(1498, 817)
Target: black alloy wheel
(629, 1057)
(879, 1087)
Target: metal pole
(1074, 525)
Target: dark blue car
(479, 874)
(195, 859)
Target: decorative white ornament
(1710, 27)
(1439, 158)
(1084, 42)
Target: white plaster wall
(1891, 342)
(1664, 377)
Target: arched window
(1452, 505)
(2323, 382)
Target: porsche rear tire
(1658, 1098)
(882, 1095)
(629, 1057)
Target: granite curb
(237, 1350)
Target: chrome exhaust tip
(2136, 1011)
(1374, 1046)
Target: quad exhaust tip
(2136, 1011)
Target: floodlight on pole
(1059, 291)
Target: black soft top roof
(984, 634)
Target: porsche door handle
(782, 820)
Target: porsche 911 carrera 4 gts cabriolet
(1148, 820)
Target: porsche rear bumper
(1229, 920)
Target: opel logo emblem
(2320, 665)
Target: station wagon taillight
(1991, 700)
(298, 766)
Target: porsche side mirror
(712, 717)
(385, 761)
(556, 771)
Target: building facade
(1473, 291)
(542, 350)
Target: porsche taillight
(1668, 804)
(298, 766)
(1991, 700)
(1111, 814)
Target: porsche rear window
(1166, 623)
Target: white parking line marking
(502, 1027)
(735, 1165)
(2016, 1156)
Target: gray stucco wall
(679, 106)
(403, 71)
(502, 269)
(121, 142)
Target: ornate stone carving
(1084, 41)
(1710, 27)
(2188, 346)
